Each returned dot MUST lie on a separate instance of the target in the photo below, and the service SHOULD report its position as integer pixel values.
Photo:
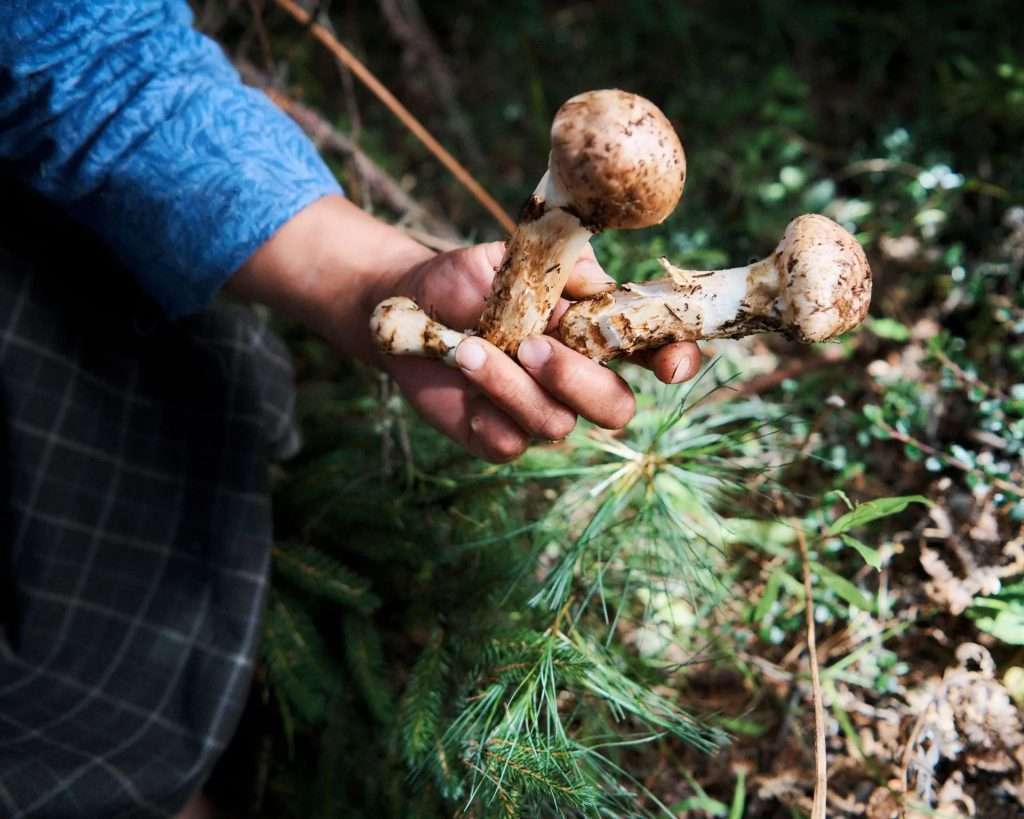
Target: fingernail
(595, 280)
(470, 355)
(533, 352)
(682, 370)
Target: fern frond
(301, 671)
(366, 664)
(321, 575)
(419, 712)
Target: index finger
(671, 363)
(588, 277)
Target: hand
(333, 263)
(493, 405)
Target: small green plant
(520, 697)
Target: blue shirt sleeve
(140, 127)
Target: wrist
(328, 267)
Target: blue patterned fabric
(139, 127)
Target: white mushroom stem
(688, 305)
(538, 259)
(400, 327)
(816, 285)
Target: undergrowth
(613, 626)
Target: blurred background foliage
(655, 575)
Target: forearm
(137, 125)
(328, 267)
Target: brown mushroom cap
(826, 279)
(618, 158)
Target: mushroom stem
(538, 259)
(816, 285)
(687, 305)
(400, 327)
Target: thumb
(588, 277)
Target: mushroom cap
(826, 279)
(618, 159)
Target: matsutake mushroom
(815, 286)
(615, 162)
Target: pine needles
(472, 627)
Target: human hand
(493, 405)
(332, 263)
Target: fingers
(673, 363)
(584, 386)
(445, 401)
(491, 434)
(513, 391)
(588, 277)
(537, 398)
(510, 403)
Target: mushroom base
(400, 327)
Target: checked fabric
(136, 528)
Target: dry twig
(424, 59)
(465, 178)
(820, 758)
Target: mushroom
(815, 286)
(399, 326)
(615, 162)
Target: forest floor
(919, 618)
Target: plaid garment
(136, 525)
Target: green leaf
(739, 796)
(839, 493)
(739, 725)
(843, 587)
(875, 509)
(1007, 625)
(705, 804)
(871, 556)
(700, 801)
(771, 594)
(873, 413)
(771, 535)
(888, 328)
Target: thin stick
(346, 57)
(904, 438)
(820, 758)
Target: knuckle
(505, 448)
(620, 413)
(565, 376)
(557, 425)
